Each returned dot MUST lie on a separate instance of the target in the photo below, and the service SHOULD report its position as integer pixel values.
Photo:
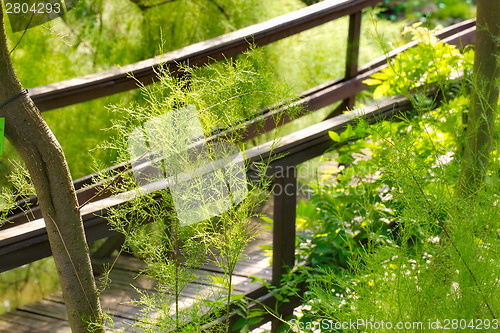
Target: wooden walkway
(49, 313)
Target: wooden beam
(285, 201)
(352, 57)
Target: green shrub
(442, 269)
(348, 212)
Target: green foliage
(443, 260)
(12, 198)
(447, 11)
(99, 35)
(356, 206)
(430, 62)
(348, 212)
(27, 283)
(224, 94)
(451, 273)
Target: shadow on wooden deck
(49, 313)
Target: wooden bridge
(24, 239)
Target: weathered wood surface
(49, 313)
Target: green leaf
(361, 129)
(347, 133)
(266, 219)
(372, 82)
(334, 136)
(255, 313)
(2, 127)
(239, 324)
(218, 280)
(238, 297)
(266, 247)
(380, 91)
(258, 279)
(254, 321)
(380, 76)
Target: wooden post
(352, 57)
(285, 201)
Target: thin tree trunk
(484, 99)
(31, 137)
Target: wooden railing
(22, 242)
(92, 86)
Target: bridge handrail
(112, 81)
